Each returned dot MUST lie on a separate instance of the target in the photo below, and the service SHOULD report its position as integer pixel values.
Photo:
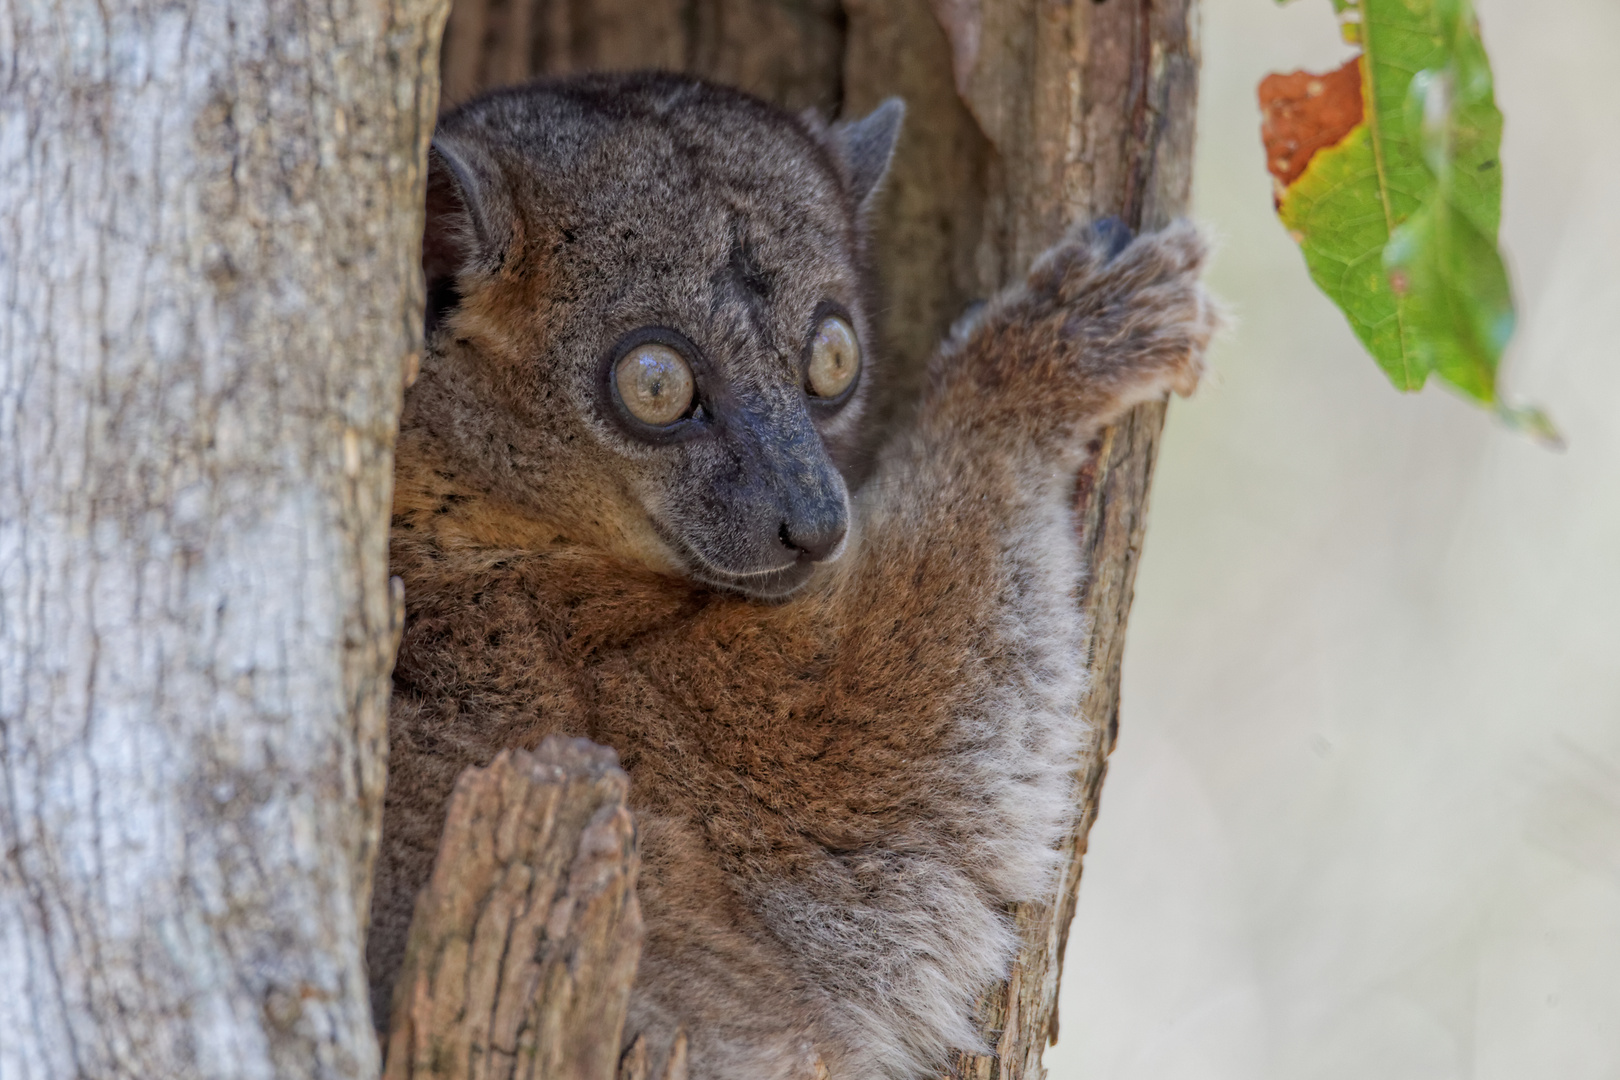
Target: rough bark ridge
(1023, 115)
(525, 940)
(208, 297)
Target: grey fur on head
(591, 181)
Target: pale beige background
(1364, 817)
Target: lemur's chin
(767, 583)
(770, 585)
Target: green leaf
(1398, 218)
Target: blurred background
(1364, 815)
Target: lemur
(636, 500)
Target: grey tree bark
(1023, 115)
(209, 295)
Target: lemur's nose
(813, 541)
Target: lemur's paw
(1133, 305)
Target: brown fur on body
(838, 794)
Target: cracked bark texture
(525, 940)
(1022, 116)
(209, 293)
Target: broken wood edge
(525, 941)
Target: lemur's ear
(467, 225)
(867, 146)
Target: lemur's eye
(655, 384)
(835, 358)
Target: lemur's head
(647, 318)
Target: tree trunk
(209, 273)
(1023, 115)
